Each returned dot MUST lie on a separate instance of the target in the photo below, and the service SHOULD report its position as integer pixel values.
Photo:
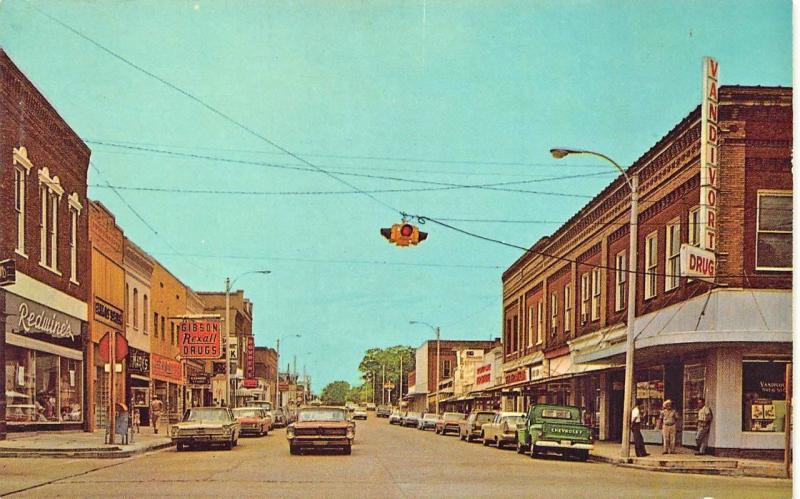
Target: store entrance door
(615, 405)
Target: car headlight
(350, 433)
(290, 432)
(174, 431)
(227, 431)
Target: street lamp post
(633, 184)
(228, 285)
(438, 359)
(278, 368)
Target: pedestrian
(668, 422)
(636, 428)
(704, 418)
(156, 406)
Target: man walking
(704, 418)
(156, 406)
(636, 428)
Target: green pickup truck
(554, 428)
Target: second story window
(74, 214)
(673, 261)
(621, 277)
(145, 313)
(531, 325)
(50, 192)
(539, 322)
(553, 314)
(694, 226)
(163, 330)
(135, 308)
(595, 294)
(774, 231)
(446, 369)
(567, 308)
(22, 168)
(584, 298)
(650, 265)
(155, 324)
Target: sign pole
(112, 359)
(787, 425)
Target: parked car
(321, 427)
(449, 421)
(428, 421)
(396, 417)
(264, 404)
(370, 406)
(383, 411)
(470, 427)
(279, 418)
(206, 426)
(359, 413)
(252, 420)
(554, 428)
(502, 430)
(411, 419)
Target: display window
(42, 387)
(650, 391)
(694, 388)
(763, 395)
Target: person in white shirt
(636, 429)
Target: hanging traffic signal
(404, 234)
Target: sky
(414, 92)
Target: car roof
(506, 414)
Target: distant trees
(335, 393)
(378, 361)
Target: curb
(742, 469)
(88, 453)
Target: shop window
(650, 264)
(46, 387)
(694, 387)
(621, 277)
(20, 385)
(650, 391)
(70, 394)
(595, 294)
(567, 308)
(764, 395)
(673, 261)
(553, 314)
(694, 226)
(584, 298)
(774, 231)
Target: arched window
(135, 308)
(145, 313)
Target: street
(387, 461)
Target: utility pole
(277, 373)
(383, 382)
(228, 341)
(400, 384)
(438, 363)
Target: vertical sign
(709, 155)
(250, 359)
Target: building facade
(266, 372)
(138, 267)
(44, 227)
(727, 340)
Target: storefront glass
(694, 387)
(650, 391)
(42, 387)
(764, 395)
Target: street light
(633, 184)
(438, 360)
(278, 367)
(228, 285)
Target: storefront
(44, 367)
(168, 385)
(198, 387)
(108, 321)
(139, 383)
(764, 395)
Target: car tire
(485, 441)
(498, 443)
(583, 455)
(293, 450)
(179, 447)
(533, 452)
(347, 450)
(520, 448)
(229, 444)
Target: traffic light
(404, 234)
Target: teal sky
(459, 92)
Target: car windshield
(515, 419)
(247, 413)
(209, 415)
(483, 418)
(322, 415)
(433, 417)
(557, 413)
(453, 416)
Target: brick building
(728, 341)
(266, 372)
(44, 229)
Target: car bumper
(250, 431)
(311, 443)
(201, 439)
(454, 428)
(559, 445)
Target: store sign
(200, 339)
(42, 323)
(697, 263)
(536, 372)
(250, 357)
(138, 362)
(219, 368)
(516, 376)
(483, 375)
(199, 379)
(107, 312)
(249, 383)
(709, 155)
(8, 272)
(166, 368)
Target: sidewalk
(684, 461)
(81, 444)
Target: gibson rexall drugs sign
(200, 339)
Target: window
(517, 345)
(127, 304)
(774, 231)
(531, 326)
(155, 324)
(445, 369)
(567, 308)
(650, 264)
(673, 261)
(621, 277)
(539, 322)
(649, 388)
(163, 329)
(584, 298)
(763, 395)
(172, 332)
(595, 294)
(73, 245)
(553, 314)
(145, 314)
(22, 168)
(694, 226)
(135, 308)
(48, 226)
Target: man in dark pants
(636, 428)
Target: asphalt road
(387, 461)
